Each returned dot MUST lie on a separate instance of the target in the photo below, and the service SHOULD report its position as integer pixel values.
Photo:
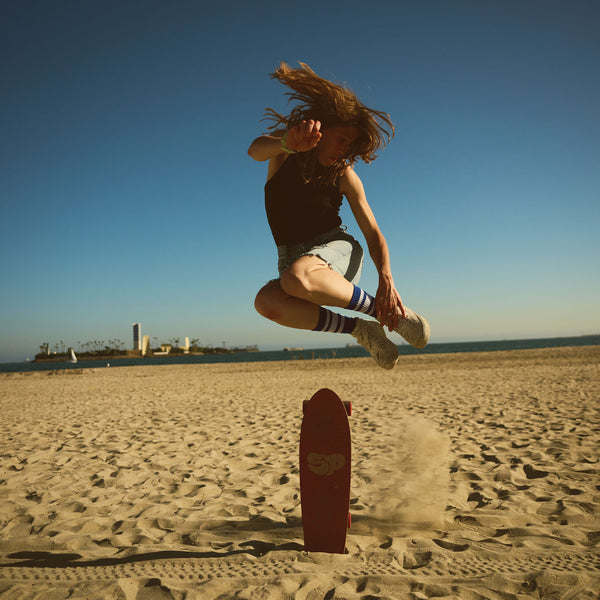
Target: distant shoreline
(222, 355)
(80, 358)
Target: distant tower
(137, 336)
(146, 350)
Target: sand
(475, 476)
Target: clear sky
(126, 193)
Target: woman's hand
(304, 136)
(388, 304)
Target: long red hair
(331, 104)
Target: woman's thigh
(343, 255)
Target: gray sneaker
(370, 335)
(414, 329)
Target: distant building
(146, 350)
(137, 336)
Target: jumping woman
(311, 154)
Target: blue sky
(126, 193)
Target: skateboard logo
(325, 464)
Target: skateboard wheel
(349, 520)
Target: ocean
(305, 354)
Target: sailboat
(73, 358)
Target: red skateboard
(325, 461)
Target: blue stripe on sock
(322, 318)
(356, 296)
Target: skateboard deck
(325, 461)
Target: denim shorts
(336, 247)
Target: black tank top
(298, 211)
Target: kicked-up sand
(474, 476)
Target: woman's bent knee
(266, 302)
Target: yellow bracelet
(284, 146)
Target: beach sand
(474, 476)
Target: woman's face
(335, 143)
